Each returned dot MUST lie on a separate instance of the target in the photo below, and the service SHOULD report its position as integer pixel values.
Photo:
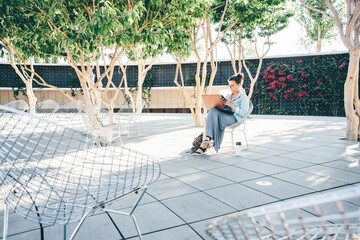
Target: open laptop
(212, 100)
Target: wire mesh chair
(128, 120)
(232, 128)
(106, 129)
(49, 175)
(69, 114)
(20, 105)
(327, 215)
(46, 108)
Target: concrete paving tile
(163, 177)
(325, 151)
(203, 180)
(281, 146)
(17, 224)
(303, 144)
(286, 162)
(178, 233)
(150, 217)
(254, 155)
(333, 173)
(197, 206)
(331, 208)
(354, 158)
(262, 168)
(314, 159)
(279, 189)
(345, 165)
(232, 159)
(240, 197)
(200, 228)
(169, 188)
(176, 169)
(130, 200)
(308, 180)
(203, 164)
(268, 151)
(53, 232)
(235, 174)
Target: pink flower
(299, 61)
(303, 74)
(304, 86)
(282, 79)
(272, 76)
(342, 66)
(290, 77)
(281, 73)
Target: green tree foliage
(318, 26)
(255, 19)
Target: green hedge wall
(311, 85)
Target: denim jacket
(241, 102)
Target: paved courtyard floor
(298, 155)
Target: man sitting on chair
(236, 105)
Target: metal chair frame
(20, 105)
(51, 175)
(46, 108)
(233, 127)
(333, 214)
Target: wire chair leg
(64, 232)
(79, 224)
(6, 218)
(247, 145)
(138, 200)
(131, 214)
(137, 227)
(232, 139)
(117, 229)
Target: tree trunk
(318, 45)
(141, 78)
(352, 128)
(31, 96)
(198, 115)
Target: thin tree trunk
(352, 128)
(318, 45)
(31, 96)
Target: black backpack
(197, 142)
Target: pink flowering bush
(310, 86)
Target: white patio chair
(94, 127)
(242, 123)
(329, 215)
(20, 105)
(129, 120)
(49, 176)
(69, 114)
(46, 108)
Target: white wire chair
(233, 127)
(49, 175)
(46, 108)
(329, 215)
(129, 120)
(105, 129)
(69, 114)
(20, 105)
